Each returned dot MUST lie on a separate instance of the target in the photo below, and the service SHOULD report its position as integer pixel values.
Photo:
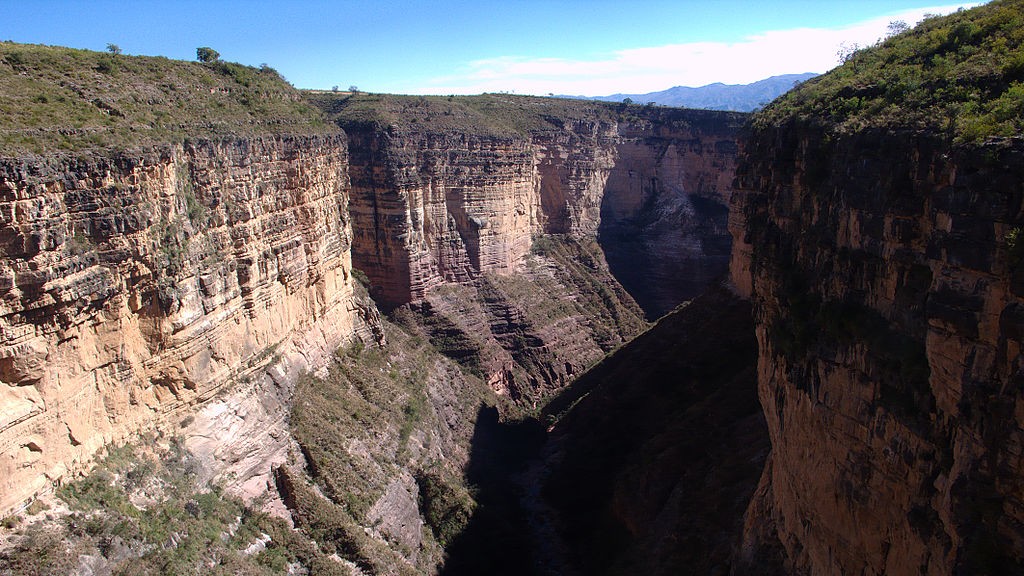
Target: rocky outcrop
(432, 208)
(531, 333)
(439, 205)
(138, 284)
(886, 276)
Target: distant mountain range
(717, 96)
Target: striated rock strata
(449, 220)
(887, 284)
(139, 284)
(664, 212)
(434, 206)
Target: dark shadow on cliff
(649, 469)
(497, 538)
(652, 468)
(670, 251)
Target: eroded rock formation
(432, 206)
(445, 220)
(139, 284)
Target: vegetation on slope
(491, 114)
(380, 417)
(54, 99)
(144, 510)
(961, 75)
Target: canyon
(505, 334)
(208, 287)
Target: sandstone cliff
(163, 265)
(447, 189)
(450, 196)
(884, 262)
(141, 283)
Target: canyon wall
(448, 221)
(664, 213)
(886, 276)
(138, 284)
(441, 205)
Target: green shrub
(958, 75)
(207, 54)
(54, 98)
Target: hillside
(961, 76)
(62, 99)
(718, 96)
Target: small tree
(334, 88)
(896, 27)
(627, 101)
(846, 52)
(207, 54)
(113, 49)
(353, 89)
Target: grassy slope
(54, 99)
(962, 75)
(492, 114)
(375, 414)
(143, 510)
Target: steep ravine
(201, 295)
(476, 214)
(465, 190)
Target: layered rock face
(435, 209)
(664, 213)
(886, 278)
(140, 284)
(440, 206)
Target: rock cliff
(140, 283)
(450, 197)
(165, 268)
(443, 190)
(883, 258)
(889, 350)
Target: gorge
(384, 334)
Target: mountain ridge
(715, 96)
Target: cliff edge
(878, 215)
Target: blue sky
(589, 47)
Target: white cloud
(649, 69)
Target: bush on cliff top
(961, 75)
(503, 115)
(492, 114)
(54, 99)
